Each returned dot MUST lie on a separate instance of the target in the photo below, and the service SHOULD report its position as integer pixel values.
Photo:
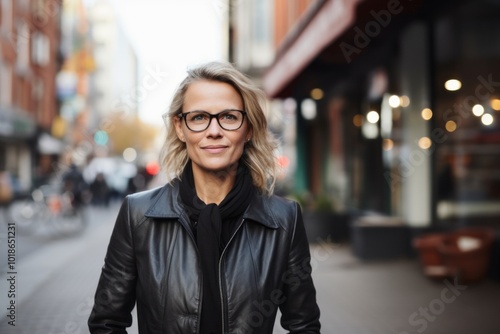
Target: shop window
(22, 46)
(6, 84)
(468, 159)
(40, 49)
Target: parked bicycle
(49, 209)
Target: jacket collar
(166, 204)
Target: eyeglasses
(229, 119)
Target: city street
(380, 118)
(54, 286)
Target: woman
(213, 251)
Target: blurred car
(116, 171)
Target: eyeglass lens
(200, 120)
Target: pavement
(54, 288)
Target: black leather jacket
(152, 258)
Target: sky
(169, 36)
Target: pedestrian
(75, 185)
(212, 251)
(100, 190)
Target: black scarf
(213, 226)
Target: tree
(127, 130)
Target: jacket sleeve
(300, 312)
(115, 296)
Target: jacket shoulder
(159, 202)
(274, 211)
(144, 198)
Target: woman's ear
(178, 128)
(249, 135)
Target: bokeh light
(357, 120)
(394, 101)
(372, 117)
(387, 144)
(129, 154)
(451, 126)
(478, 110)
(317, 93)
(426, 114)
(487, 119)
(405, 101)
(495, 104)
(424, 143)
(452, 85)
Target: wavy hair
(259, 152)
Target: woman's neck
(213, 187)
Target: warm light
(478, 110)
(357, 120)
(451, 126)
(369, 130)
(308, 108)
(495, 104)
(283, 161)
(394, 101)
(487, 119)
(452, 85)
(152, 168)
(59, 127)
(372, 117)
(426, 114)
(405, 101)
(129, 154)
(387, 144)
(317, 93)
(424, 143)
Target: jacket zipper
(220, 273)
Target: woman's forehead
(202, 94)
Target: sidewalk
(56, 287)
(383, 297)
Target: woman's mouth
(214, 149)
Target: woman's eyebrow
(200, 110)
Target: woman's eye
(199, 117)
(228, 117)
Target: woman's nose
(214, 127)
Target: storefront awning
(333, 18)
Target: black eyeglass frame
(210, 117)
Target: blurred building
(376, 128)
(53, 92)
(98, 77)
(257, 28)
(114, 83)
(72, 81)
(252, 43)
(29, 61)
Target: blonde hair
(259, 152)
